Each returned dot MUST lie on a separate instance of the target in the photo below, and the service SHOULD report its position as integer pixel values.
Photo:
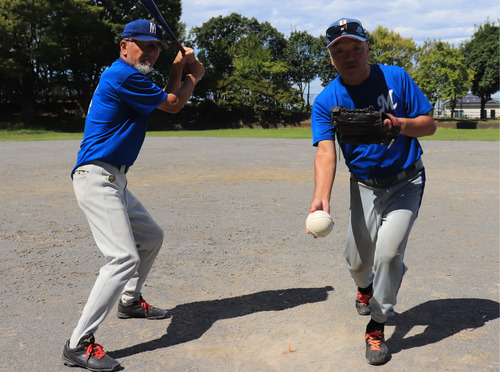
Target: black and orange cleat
(140, 309)
(377, 352)
(363, 302)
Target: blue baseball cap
(345, 27)
(142, 29)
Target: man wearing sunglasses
(123, 230)
(386, 182)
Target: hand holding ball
(319, 224)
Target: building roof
(472, 100)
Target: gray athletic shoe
(87, 354)
(140, 309)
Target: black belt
(124, 168)
(388, 181)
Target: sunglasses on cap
(348, 29)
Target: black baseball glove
(364, 126)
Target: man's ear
(123, 48)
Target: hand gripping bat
(155, 13)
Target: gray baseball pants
(125, 233)
(380, 222)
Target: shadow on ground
(191, 321)
(442, 319)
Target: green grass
(445, 134)
(36, 135)
(241, 133)
(442, 134)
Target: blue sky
(447, 20)
(453, 21)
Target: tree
(80, 52)
(325, 71)
(214, 41)
(482, 55)
(300, 55)
(23, 26)
(440, 71)
(390, 48)
(257, 86)
(458, 77)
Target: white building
(469, 107)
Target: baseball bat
(155, 13)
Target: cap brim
(150, 38)
(360, 38)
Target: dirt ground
(248, 289)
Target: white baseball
(319, 224)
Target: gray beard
(144, 68)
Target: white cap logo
(152, 28)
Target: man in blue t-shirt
(387, 182)
(123, 230)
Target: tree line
(54, 52)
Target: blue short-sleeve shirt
(117, 119)
(388, 89)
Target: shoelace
(94, 350)
(364, 299)
(374, 339)
(145, 305)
